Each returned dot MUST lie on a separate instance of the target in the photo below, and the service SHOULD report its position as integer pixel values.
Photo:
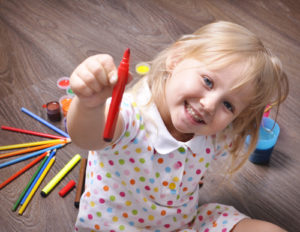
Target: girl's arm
(92, 82)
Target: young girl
(202, 97)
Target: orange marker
(26, 150)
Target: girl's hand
(93, 80)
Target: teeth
(193, 113)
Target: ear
(174, 57)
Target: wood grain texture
(41, 41)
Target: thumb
(113, 77)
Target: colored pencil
(26, 150)
(36, 186)
(14, 208)
(21, 171)
(31, 132)
(31, 144)
(54, 181)
(80, 184)
(53, 152)
(29, 156)
(39, 119)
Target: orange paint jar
(65, 102)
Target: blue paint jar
(268, 135)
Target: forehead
(233, 77)
(236, 76)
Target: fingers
(93, 80)
(93, 75)
(110, 69)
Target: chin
(184, 132)
(205, 132)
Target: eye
(208, 82)
(228, 106)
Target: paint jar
(65, 102)
(268, 135)
(142, 68)
(53, 111)
(63, 82)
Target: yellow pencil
(36, 186)
(31, 144)
(60, 175)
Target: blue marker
(53, 152)
(45, 122)
(30, 155)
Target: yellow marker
(14, 146)
(60, 175)
(36, 186)
(142, 68)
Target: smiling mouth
(193, 114)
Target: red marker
(117, 95)
(67, 188)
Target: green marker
(64, 171)
(29, 184)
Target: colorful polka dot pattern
(130, 187)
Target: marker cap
(69, 186)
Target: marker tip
(127, 53)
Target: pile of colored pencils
(43, 151)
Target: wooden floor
(41, 41)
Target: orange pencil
(26, 150)
(14, 176)
(33, 144)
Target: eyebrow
(206, 72)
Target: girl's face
(199, 101)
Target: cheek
(182, 86)
(173, 90)
(221, 121)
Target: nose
(209, 104)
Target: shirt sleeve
(131, 120)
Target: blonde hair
(218, 45)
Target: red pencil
(14, 176)
(31, 132)
(116, 99)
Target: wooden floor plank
(41, 41)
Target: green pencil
(29, 183)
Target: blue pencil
(53, 152)
(45, 122)
(33, 154)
